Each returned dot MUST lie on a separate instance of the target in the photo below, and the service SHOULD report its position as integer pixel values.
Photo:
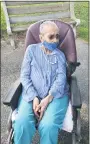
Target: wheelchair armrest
(71, 67)
(13, 94)
(75, 93)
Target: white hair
(46, 23)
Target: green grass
(3, 22)
(81, 12)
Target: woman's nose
(55, 40)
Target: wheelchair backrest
(67, 39)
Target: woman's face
(50, 34)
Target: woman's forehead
(50, 29)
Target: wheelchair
(68, 46)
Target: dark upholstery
(67, 40)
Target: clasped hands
(39, 108)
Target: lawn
(3, 23)
(81, 12)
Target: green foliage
(83, 33)
(81, 12)
(3, 22)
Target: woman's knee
(46, 125)
(25, 123)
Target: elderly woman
(45, 90)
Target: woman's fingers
(39, 110)
(37, 114)
(35, 104)
(41, 113)
(38, 107)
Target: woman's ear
(41, 38)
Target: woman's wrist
(50, 98)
